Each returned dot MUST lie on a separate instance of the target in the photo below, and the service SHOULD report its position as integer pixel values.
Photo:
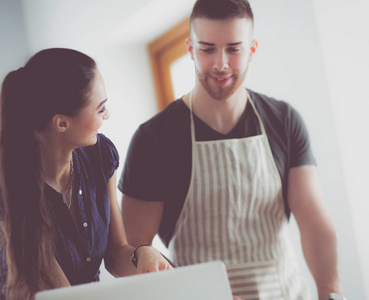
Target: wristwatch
(333, 296)
(133, 258)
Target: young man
(218, 172)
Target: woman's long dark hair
(54, 81)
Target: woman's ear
(60, 122)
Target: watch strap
(133, 258)
(333, 296)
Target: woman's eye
(102, 110)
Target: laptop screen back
(195, 282)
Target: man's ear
(60, 122)
(254, 46)
(189, 47)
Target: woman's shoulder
(103, 152)
(103, 143)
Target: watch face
(334, 296)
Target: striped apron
(234, 212)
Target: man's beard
(221, 92)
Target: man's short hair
(222, 10)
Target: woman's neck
(57, 163)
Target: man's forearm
(320, 250)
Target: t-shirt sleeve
(144, 174)
(300, 148)
(109, 156)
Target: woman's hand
(150, 260)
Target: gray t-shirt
(158, 162)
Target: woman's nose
(106, 114)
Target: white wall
(296, 61)
(14, 50)
(344, 36)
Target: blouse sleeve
(109, 156)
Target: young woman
(59, 213)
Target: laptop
(206, 281)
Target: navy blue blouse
(81, 245)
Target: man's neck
(220, 115)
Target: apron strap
(193, 136)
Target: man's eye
(207, 50)
(233, 50)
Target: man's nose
(221, 61)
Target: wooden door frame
(163, 52)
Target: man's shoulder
(270, 105)
(168, 121)
(275, 112)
